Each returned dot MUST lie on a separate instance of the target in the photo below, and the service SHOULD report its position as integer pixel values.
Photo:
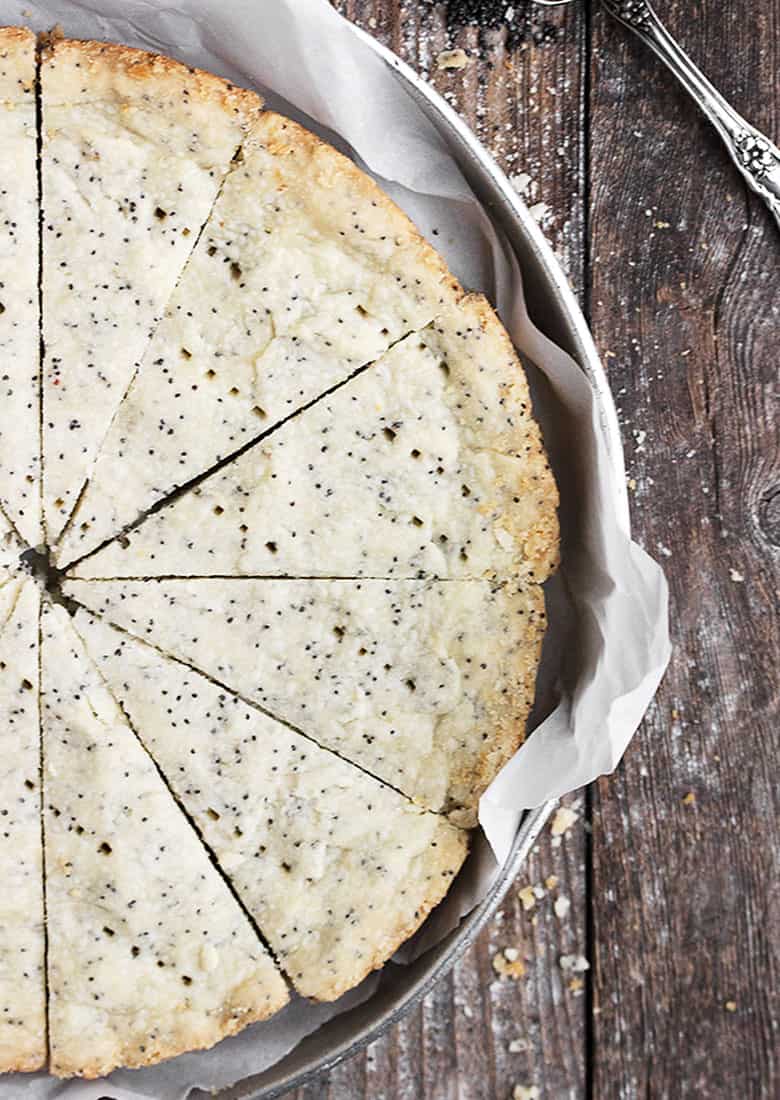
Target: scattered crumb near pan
(561, 907)
(452, 59)
(509, 964)
(573, 964)
(563, 820)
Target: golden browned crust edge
(283, 137)
(146, 67)
(27, 1063)
(457, 849)
(507, 720)
(543, 546)
(511, 721)
(214, 1030)
(16, 36)
(17, 49)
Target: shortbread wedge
(22, 942)
(429, 463)
(149, 953)
(336, 868)
(20, 464)
(426, 685)
(134, 150)
(305, 272)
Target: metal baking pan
(555, 311)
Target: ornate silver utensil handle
(754, 154)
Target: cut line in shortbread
(426, 685)
(336, 868)
(134, 149)
(149, 954)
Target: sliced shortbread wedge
(428, 464)
(424, 684)
(305, 272)
(134, 149)
(336, 868)
(22, 943)
(20, 465)
(149, 953)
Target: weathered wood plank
(685, 304)
(525, 100)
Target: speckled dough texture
(149, 954)
(429, 463)
(305, 272)
(336, 868)
(134, 149)
(279, 481)
(20, 492)
(10, 546)
(426, 684)
(22, 981)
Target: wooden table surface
(671, 868)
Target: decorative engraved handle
(754, 154)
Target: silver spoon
(754, 154)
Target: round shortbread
(275, 515)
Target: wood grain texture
(685, 278)
(675, 894)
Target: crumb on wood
(563, 820)
(527, 898)
(524, 185)
(540, 212)
(452, 59)
(730, 1006)
(689, 799)
(573, 964)
(736, 576)
(518, 1046)
(561, 907)
(551, 882)
(508, 964)
(525, 1092)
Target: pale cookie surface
(134, 149)
(149, 954)
(336, 868)
(254, 332)
(425, 684)
(428, 463)
(10, 546)
(20, 492)
(275, 516)
(22, 980)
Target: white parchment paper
(608, 641)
